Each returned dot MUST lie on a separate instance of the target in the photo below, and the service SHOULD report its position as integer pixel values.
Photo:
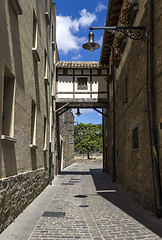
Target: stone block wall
(65, 139)
(132, 166)
(68, 134)
(158, 72)
(17, 192)
(24, 148)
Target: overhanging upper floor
(81, 84)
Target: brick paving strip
(78, 211)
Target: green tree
(88, 138)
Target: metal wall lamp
(78, 112)
(135, 33)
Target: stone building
(133, 129)
(65, 139)
(131, 100)
(24, 101)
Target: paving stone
(97, 219)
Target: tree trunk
(88, 155)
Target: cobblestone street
(88, 205)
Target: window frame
(8, 112)
(33, 125)
(35, 38)
(84, 86)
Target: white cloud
(78, 57)
(65, 39)
(100, 7)
(86, 18)
(100, 40)
(74, 111)
(66, 29)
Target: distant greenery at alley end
(88, 138)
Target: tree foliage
(88, 138)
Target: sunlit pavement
(83, 203)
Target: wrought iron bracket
(100, 112)
(135, 33)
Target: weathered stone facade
(68, 139)
(17, 192)
(65, 139)
(130, 132)
(24, 102)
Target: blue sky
(88, 116)
(72, 27)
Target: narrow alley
(58, 60)
(83, 203)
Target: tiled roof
(79, 64)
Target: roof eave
(114, 9)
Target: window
(8, 104)
(135, 138)
(45, 134)
(45, 64)
(46, 95)
(52, 34)
(82, 84)
(35, 36)
(35, 29)
(46, 12)
(33, 124)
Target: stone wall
(131, 166)
(17, 192)
(68, 136)
(24, 78)
(65, 139)
(158, 72)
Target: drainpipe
(114, 129)
(154, 147)
(58, 144)
(103, 142)
(50, 137)
(107, 124)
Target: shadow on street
(114, 194)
